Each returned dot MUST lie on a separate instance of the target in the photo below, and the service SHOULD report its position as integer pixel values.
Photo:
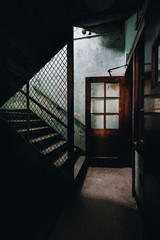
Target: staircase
(44, 138)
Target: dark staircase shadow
(47, 184)
(41, 136)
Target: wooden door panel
(105, 144)
(107, 136)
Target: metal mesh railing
(49, 88)
(18, 101)
(47, 97)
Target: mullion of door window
(97, 97)
(100, 113)
(104, 105)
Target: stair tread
(78, 165)
(12, 110)
(61, 160)
(18, 112)
(64, 163)
(47, 136)
(53, 147)
(33, 129)
(17, 115)
(23, 120)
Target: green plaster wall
(132, 25)
(130, 33)
(94, 55)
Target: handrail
(41, 106)
(64, 111)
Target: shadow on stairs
(44, 138)
(44, 154)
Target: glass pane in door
(97, 121)
(97, 89)
(97, 105)
(112, 121)
(112, 105)
(112, 89)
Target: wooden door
(107, 117)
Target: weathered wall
(132, 25)
(130, 33)
(94, 55)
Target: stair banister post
(28, 111)
(70, 98)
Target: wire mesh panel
(48, 101)
(18, 101)
(14, 111)
(49, 88)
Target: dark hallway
(103, 209)
(80, 81)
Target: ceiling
(98, 15)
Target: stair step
(76, 154)
(64, 165)
(21, 124)
(16, 115)
(61, 160)
(78, 162)
(38, 139)
(45, 141)
(55, 151)
(13, 110)
(78, 165)
(52, 147)
(36, 132)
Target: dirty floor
(103, 209)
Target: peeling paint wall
(94, 55)
(132, 25)
(130, 33)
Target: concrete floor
(103, 209)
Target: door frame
(88, 116)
